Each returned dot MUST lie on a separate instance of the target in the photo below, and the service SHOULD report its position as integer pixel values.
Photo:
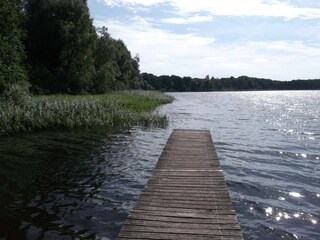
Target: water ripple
(81, 184)
(268, 145)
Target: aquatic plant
(124, 108)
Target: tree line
(53, 45)
(242, 83)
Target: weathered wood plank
(180, 197)
(184, 210)
(159, 230)
(186, 197)
(203, 215)
(169, 202)
(179, 207)
(177, 197)
(165, 236)
(210, 226)
(222, 219)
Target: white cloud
(164, 52)
(188, 20)
(141, 36)
(269, 8)
(131, 2)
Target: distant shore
(243, 83)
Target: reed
(124, 108)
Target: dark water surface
(82, 184)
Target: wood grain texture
(186, 197)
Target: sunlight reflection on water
(268, 145)
(81, 184)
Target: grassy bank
(66, 111)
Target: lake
(81, 184)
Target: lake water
(82, 184)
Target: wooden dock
(186, 196)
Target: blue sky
(277, 39)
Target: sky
(275, 39)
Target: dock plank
(186, 197)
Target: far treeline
(51, 46)
(243, 83)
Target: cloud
(131, 2)
(188, 20)
(267, 8)
(165, 52)
(140, 34)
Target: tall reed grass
(66, 111)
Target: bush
(17, 94)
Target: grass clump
(65, 111)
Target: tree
(77, 62)
(116, 69)
(60, 45)
(11, 48)
(136, 79)
(129, 68)
(107, 69)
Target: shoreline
(123, 108)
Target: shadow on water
(71, 184)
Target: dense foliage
(11, 47)
(115, 67)
(62, 50)
(60, 44)
(178, 84)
